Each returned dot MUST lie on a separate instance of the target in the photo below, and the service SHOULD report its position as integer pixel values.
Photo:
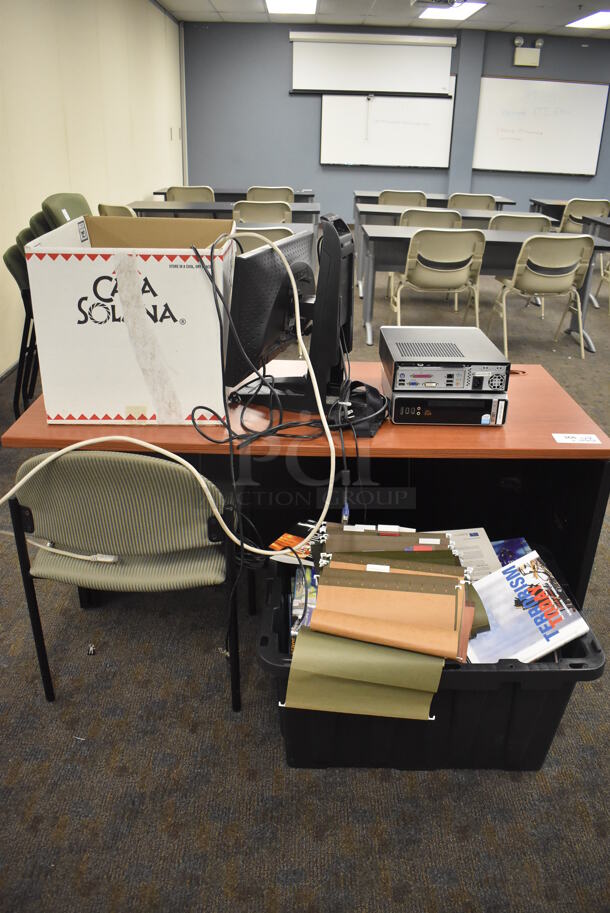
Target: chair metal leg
(542, 307)
(579, 315)
(30, 595)
(504, 322)
(476, 305)
(21, 368)
(233, 624)
(456, 301)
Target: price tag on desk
(576, 439)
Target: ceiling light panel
(291, 7)
(453, 13)
(599, 20)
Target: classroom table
(548, 207)
(301, 212)
(515, 479)
(433, 199)
(385, 249)
(382, 214)
(305, 195)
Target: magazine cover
(529, 613)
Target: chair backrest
(431, 218)
(60, 208)
(115, 209)
(273, 234)
(445, 258)
(402, 198)
(471, 201)
(117, 503)
(14, 260)
(286, 194)
(267, 212)
(39, 224)
(552, 263)
(24, 237)
(201, 193)
(507, 221)
(576, 209)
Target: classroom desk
(301, 212)
(514, 480)
(305, 195)
(385, 249)
(598, 225)
(548, 207)
(381, 214)
(433, 199)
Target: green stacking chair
(146, 516)
(116, 209)
(39, 224)
(60, 208)
(548, 264)
(27, 365)
(402, 198)
(194, 194)
(270, 193)
(443, 260)
(24, 237)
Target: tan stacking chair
(194, 194)
(267, 212)
(442, 260)
(427, 218)
(577, 209)
(506, 221)
(259, 192)
(548, 264)
(146, 516)
(471, 201)
(402, 198)
(604, 277)
(273, 234)
(112, 209)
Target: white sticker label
(388, 528)
(423, 541)
(577, 439)
(380, 568)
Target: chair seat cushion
(136, 573)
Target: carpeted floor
(139, 789)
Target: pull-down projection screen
(534, 125)
(355, 62)
(386, 130)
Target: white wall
(89, 102)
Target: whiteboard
(386, 130)
(337, 66)
(534, 125)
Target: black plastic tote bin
(501, 716)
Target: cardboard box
(126, 326)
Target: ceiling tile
(240, 7)
(242, 17)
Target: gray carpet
(139, 790)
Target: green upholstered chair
(195, 194)
(60, 208)
(443, 260)
(402, 198)
(548, 264)
(39, 224)
(260, 192)
(24, 237)
(273, 234)
(471, 201)
(27, 364)
(116, 209)
(148, 515)
(266, 212)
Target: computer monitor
(262, 311)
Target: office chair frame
(21, 518)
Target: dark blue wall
(244, 127)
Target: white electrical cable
(124, 439)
